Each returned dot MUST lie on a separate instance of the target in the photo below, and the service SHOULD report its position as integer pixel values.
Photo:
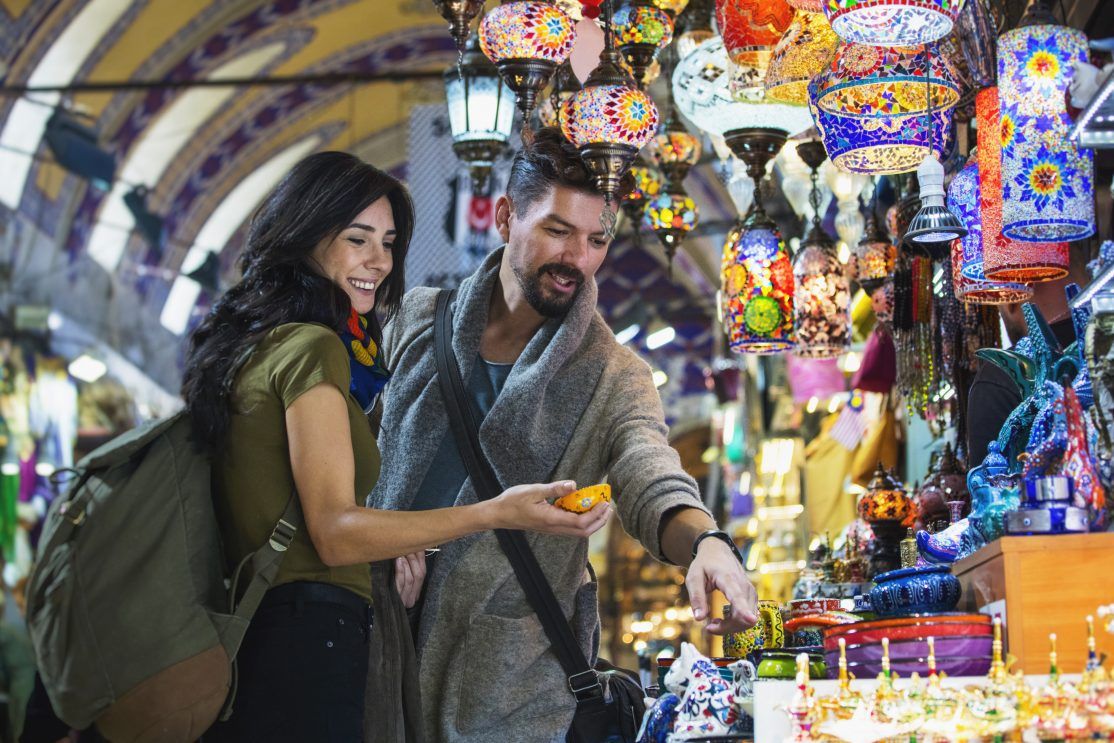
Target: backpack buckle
(77, 518)
(586, 685)
(282, 536)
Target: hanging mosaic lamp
(641, 30)
(1004, 259)
(968, 280)
(881, 146)
(977, 37)
(804, 52)
(822, 300)
(751, 29)
(609, 121)
(693, 27)
(702, 92)
(875, 82)
(647, 186)
(671, 215)
(527, 40)
(892, 22)
(459, 14)
(564, 85)
(873, 257)
(1047, 179)
(757, 277)
(812, 6)
(673, 7)
(674, 148)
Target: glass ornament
(892, 22)
(877, 82)
(822, 301)
(804, 52)
(671, 216)
(873, 257)
(647, 185)
(752, 28)
(641, 29)
(757, 288)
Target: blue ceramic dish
(927, 590)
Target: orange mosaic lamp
(751, 29)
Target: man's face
(1013, 319)
(554, 246)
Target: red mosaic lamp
(751, 29)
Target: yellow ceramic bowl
(585, 499)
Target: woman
(278, 380)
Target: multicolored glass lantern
(641, 29)
(881, 146)
(876, 82)
(671, 216)
(1005, 259)
(892, 22)
(674, 148)
(702, 91)
(564, 85)
(647, 185)
(1047, 180)
(609, 121)
(968, 279)
(757, 276)
(804, 52)
(526, 40)
(822, 301)
(752, 28)
(459, 14)
(873, 257)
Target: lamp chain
(814, 198)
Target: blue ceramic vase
(927, 590)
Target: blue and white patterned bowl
(926, 590)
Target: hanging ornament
(647, 186)
(751, 29)
(564, 85)
(757, 276)
(673, 7)
(527, 40)
(872, 259)
(822, 301)
(609, 121)
(1004, 259)
(693, 27)
(674, 148)
(641, 30)
(1047, 179)
(875, 82)
(459, 14)
(892, 22)
(671, 215)
(968, 279)
(805, 51)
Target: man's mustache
(563, 271)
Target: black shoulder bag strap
(583, 681)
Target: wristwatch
(720, 535)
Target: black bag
(609, 701)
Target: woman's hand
(528, 507)
(410, 577)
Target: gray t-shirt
(446, 473)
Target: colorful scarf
(369, 375)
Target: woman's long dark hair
(317, 199)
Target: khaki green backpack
(129, 605)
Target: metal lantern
(1005, 259)
(526, 40)
(757, 276)
(641, 30)
(822, 299)
(968, 279)
(892, 22)
(873, 257)
(481, 113)
(459, 14)
(804, 52)
(1047, 179)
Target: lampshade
(873, 257)
(641, 28)
(978, 41)
(822, 301)
(752, 28)
(647, 185)
(804, 52)
(1047, 180)
(881, 146)
(564, 85)
(1005, 259)
(481, 112)
(757, 287)
(674, 148)
(969, 281)
(526, 40)
(892, 22)
(881, 82)
(933, 224)
(701, 90)
(671, 215)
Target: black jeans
(302, 669)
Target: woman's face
(359, 258)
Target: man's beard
(536, 296)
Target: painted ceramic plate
(584, 499)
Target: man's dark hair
(550, 160)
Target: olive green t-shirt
(254, 477)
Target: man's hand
(715, 567)
(410, 577)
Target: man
(563, 401)
(993, 394)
